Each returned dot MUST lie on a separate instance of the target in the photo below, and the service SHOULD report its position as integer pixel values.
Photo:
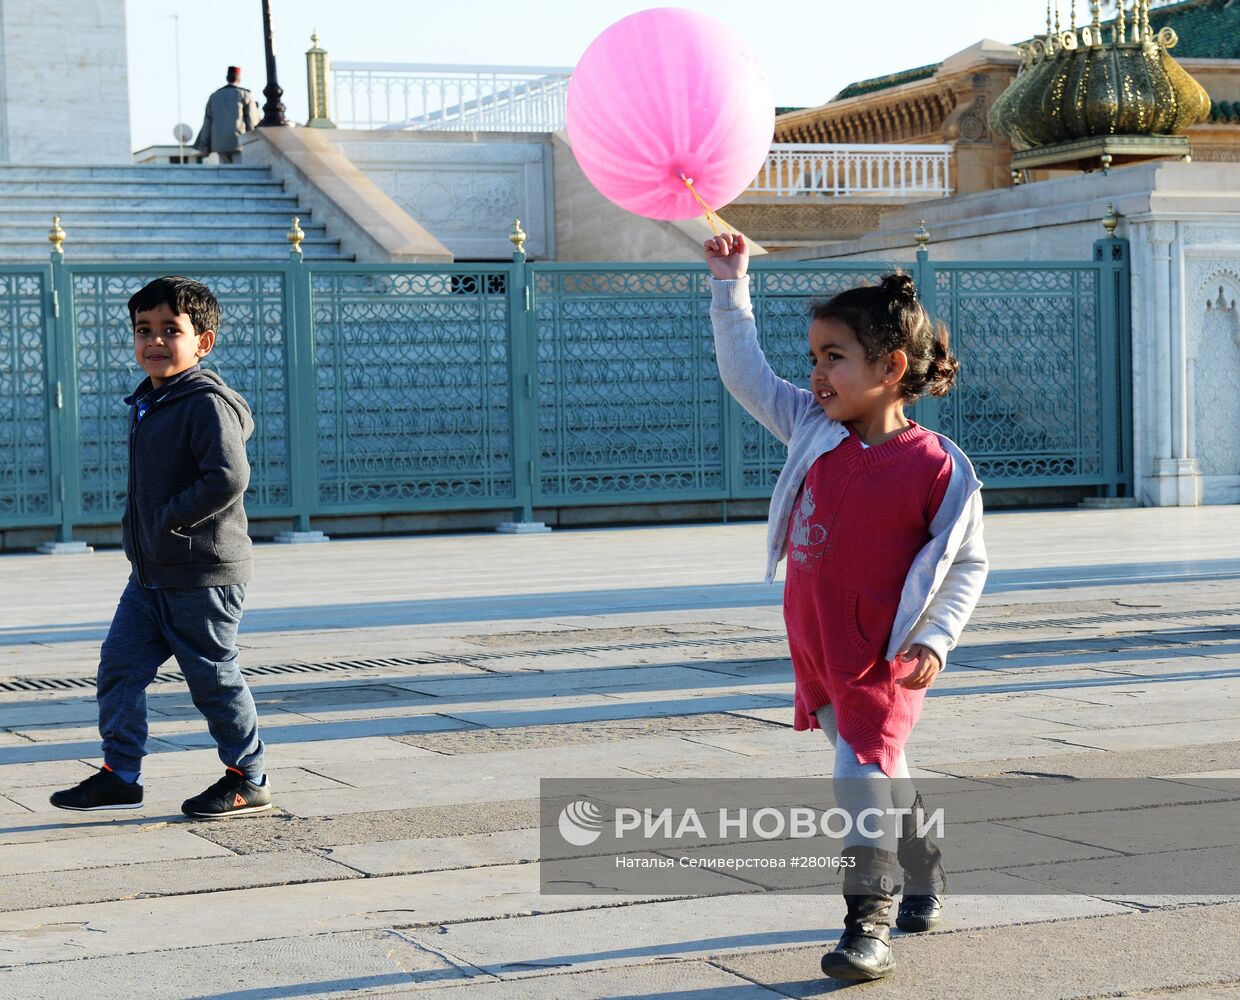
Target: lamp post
(273, 110)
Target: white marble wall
(1186, 363)
(64, 91)
(465, 189)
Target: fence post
(1115, 356)
(523, 374)
(926, 409)
(67, 484)
(302, 440)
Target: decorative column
(316, 85)
(1176, 477)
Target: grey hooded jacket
(184, 522)
(945, 581)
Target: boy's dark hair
(889, 317)
(181, 295)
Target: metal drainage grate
(266, 670)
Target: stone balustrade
(449, 98)
(921, 171)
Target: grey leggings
(860, 786)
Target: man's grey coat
(231, 111)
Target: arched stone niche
(1214, 372)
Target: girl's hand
(727, 256)
(924, 671)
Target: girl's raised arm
(776, 403)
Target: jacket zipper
(133, 494)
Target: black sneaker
(233, 795)
(102, 790)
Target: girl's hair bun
(899, 287)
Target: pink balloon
(664, 92)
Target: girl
(881, 521)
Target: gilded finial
(1120, 26)
(56, 236)
(1145, 20)
(922, 234)
(1110, 221)
(517, 236)
(295, 235)
(314, 38)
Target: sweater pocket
(852, 622)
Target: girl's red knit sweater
(861, 517)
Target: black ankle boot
(925, 882)
(864, 949)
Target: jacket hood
(195, 380)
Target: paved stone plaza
(430, 682)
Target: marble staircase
(146, 212)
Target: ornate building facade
(949, 102)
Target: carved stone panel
(1214, 352)
(466, 193)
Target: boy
(185, 535)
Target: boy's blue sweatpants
(198, 626)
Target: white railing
(450, 98)
(855, 170)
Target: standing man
(231, 110)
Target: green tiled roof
(883, 82)
(1208, 29)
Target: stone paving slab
(684, 980)
(608, 708)
(1078, 762)
(125, 927)
(322, 965)
(164, 878)
(459, 709)
(511, 766)
(515, 947)
(310, 732)
(1161, 735)
(1161, 828)
(64, 856)
(428, 854)
(504, 687)
(1150, 880)
(1110, 955)
(10, 808)
(469, 779)
(1222, 992)
(281, 831)
(688, 727)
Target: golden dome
(1076, 85)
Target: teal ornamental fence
(403, 389)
